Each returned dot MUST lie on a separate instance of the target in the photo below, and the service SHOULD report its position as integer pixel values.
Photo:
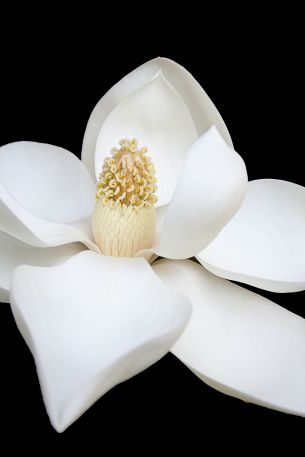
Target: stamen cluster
(127, 178)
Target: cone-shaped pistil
(123, 221)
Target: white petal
(23, 225)
(92, 323)
(238, 342)
(201, 108)
(264, 244)
(14, 253)
(48, 181)
(209, 192)
(157, 116)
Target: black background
(51, 78)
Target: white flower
(94, 320)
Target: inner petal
(156, 115)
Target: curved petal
(238, 342)
(50, 182)
(264, 244)
(86, 333)
(14, 253)
(201, 108)
(23, 225)
(157, 116)
(209, 192)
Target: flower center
(123, 221)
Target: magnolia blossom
(93, 320)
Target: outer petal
(209, 192)
(92, 323)
(50, 182)
(238, 342)
(14, 253)
(202, 110)
(264, 244)
(21, 197)
(21, 224)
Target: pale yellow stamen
(124, 218)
